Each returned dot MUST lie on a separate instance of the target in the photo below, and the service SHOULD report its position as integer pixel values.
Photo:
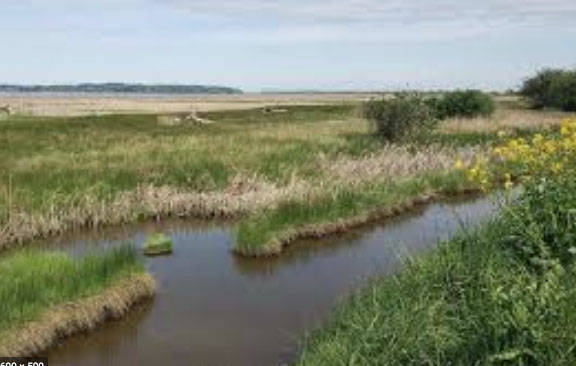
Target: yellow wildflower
(459, 165)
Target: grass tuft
(33, 281)
(158, 244)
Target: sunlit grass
(34, 281)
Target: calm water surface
(215, 308)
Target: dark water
(215, 308)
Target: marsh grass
(500, 295)
(60, 160)
(335, 210)
(59, 173)
(158, 244)
(291, 114)
(34, 281)
(504, 119)
(469, 303)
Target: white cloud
(386, 19)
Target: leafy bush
(552, 88)
(401, 117)
(463, 103)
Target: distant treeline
(120, 88)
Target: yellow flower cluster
(519, 158)
(479, 173)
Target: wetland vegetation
(502, 294)
(39, 286)
(299, 172)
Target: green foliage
(463, 103)
(503, 295)
(405, 115)
(32, 281)
(543, 226)
(552, 88)
(158, 244)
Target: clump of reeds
(33, 281)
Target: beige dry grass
(395, 162)
(505, 119)
(243, 196)
(75, 317)
(32, 105)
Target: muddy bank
(75, 317)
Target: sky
(287, 44)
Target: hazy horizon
(258, 45)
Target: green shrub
(463, 103)
(403, 116)
(552, 88)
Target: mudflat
(83, 104)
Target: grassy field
(59, 173)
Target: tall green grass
(501, 295)
(33, 281)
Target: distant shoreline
(109, 95)
(119, 88)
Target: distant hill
(120, 88)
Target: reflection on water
(216, 308)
